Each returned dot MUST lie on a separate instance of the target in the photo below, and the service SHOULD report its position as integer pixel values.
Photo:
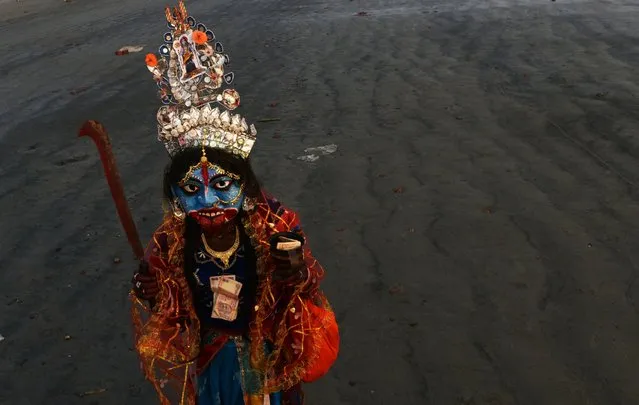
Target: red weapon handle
(96, 131)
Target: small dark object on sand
(75, 92)
(362, 14)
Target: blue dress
(222, 381)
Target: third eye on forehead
(207, 174)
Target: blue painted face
(210, 195)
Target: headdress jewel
(190, 76)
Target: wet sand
(478, 221)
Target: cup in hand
(288, 245)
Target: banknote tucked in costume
(227, 308)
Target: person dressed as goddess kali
(227, 306)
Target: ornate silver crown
(190, 74)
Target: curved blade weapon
(97, 132)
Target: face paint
(210, 195)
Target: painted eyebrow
(199, 181)
(220, 175)
(193, 179)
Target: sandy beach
(477, 215)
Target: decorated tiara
(197, 111)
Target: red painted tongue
(230, 213)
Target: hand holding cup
(288, 255)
